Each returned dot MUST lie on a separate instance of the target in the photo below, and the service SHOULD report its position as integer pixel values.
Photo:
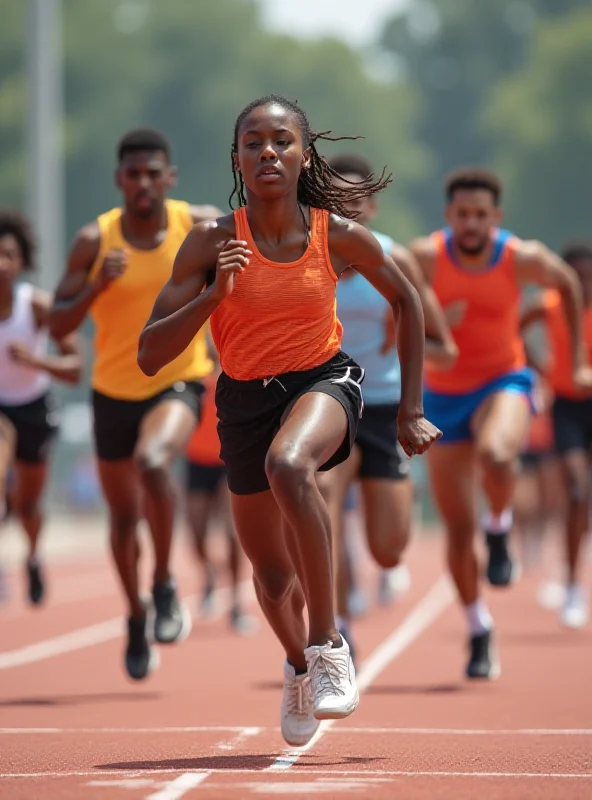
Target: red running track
(206, 725)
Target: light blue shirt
(363, 311)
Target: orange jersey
(540, 434)
(488, 337)
(280, 317)
(204, 445)
(560, 370)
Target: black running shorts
(381, 454)
(204, 478)
(250, 414)
(36, 424)
(117, 422)
(572, 424)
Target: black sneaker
(173, 622)
(141, 658)
(500, 567)
(36, 588)
(483, 662)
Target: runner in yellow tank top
(141, 424)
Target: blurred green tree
(188, 68)
(456, 52)
(541, 121)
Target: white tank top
(19, 384)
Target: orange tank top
(488, 338)
(280, 317)
(561, 367)
(204, 445)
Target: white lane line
(253, 731)
(180, 786)
(468, 731)
(89, 636)
(425, 613)
(134, 773)
(239, 729)
(237, 740)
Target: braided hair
(316, 185)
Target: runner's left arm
(67, 366)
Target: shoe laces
(299, 696)
(328, 670)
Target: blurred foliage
(188, 68)
(501, 82)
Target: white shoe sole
(340, 712)
(301, 741)
(186, 627)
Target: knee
(287, 469)
(577, 486)
(153, 467)
(497, 461)
(273, 586)
(388, 554)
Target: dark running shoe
(36, 587)
(173, 621)
(483, 662)
(141, 657)
(500, 567)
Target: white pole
(45, 140)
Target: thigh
(388, 506)
(452, 469)
(501, 423)
(313, 430)
(7, 443)
(259, 527)
(121, 487)
(164, 431)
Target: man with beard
(115, 271)
(482, 403)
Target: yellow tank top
(123, 309)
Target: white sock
(478, 617)
(498, 523)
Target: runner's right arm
(75, 294)
(186, 302)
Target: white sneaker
(298, 722)
(333, 678)
(551, 595)
(574, 613)
(393, 583)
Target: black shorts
(204, 478)
(250, 414)
(36, 424)
(117, 422)
(381, 454)
(572, 424)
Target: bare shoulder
(527, 250)
(351, 244)
(85, 249)
(205, 212)
(213, 230)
